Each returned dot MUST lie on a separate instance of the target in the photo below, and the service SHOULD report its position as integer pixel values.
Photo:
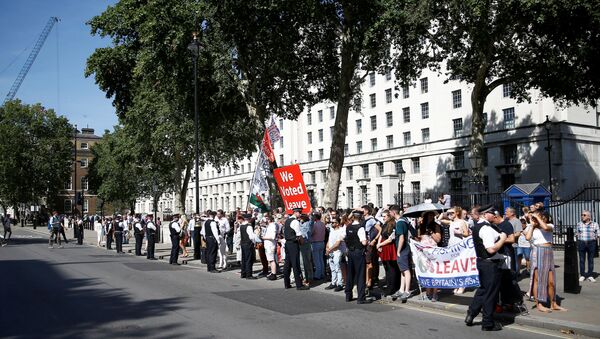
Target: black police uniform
(211, 245)
(196, 238)
(138, 233)
(119, 236)
(356, 263)
(109, 234)
(247, 247)
(292, 255)
(490, 274)
(80, 231)
(174, 244)
(151, 238)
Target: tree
(37, 150)
(148, 73)
(530, 44)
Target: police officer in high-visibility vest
(174, 229)
(138, 232)
(150, 237)
(293, 240)
(210, 232)
(356, 242)
(119, 228)
(488, 240)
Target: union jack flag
(274, 134)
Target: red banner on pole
(267, 148)
(291, 186)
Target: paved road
(87, 292)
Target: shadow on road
(39, 301)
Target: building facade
(76, 199)
(423, 129)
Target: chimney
(87, 131)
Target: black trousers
(211, 251)
(174, 249)
(109, 239)
(80, 235)
(355, 274)
(139, 238)
(247, 260)
(292, 262)
(150, 248)
(487, 294)
(392, 276)
(62, 231)
(119, 241)
(197, 243)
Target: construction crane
(34, 53)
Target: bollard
(571, 276)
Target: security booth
(525, 195)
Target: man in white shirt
(150, 237)
(138, 232)
(247, 241)
(174, 229)
(210, 233)
(293, 239)
(223, 230)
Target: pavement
(581, 319)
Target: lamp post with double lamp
(155, 206)
(475, 161)
(547, 127)
(401, 173)
(194, 47)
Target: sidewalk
(580, 319)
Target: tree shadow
(40, 301)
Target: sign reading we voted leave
(292, 189)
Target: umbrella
(418, 210)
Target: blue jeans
(318, 250)
(589, 248)
(336, 269)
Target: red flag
(266, 147)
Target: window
(281, 141)
(372, 79)
(85, 205)
(84, 183)
(365, 171)
(485, 157)
(349, 173)
(425, 134)
(456, 185)
(363, 195)
(346, 150)
(309, 155)
(309, 118)
(350, 195)
(374, 144)
(406, 138)
(456, 99)
(359, 147)
(398, 165)
(313, 177)
(358, 126)
(309, 137)
(406, 114)
(321, 154)
(458, 127)
(320, 114)
(389, 119)
(68, 205)
(373, 100)
(390, 141)
(424, 85)
(84, 145)
(416, 187)
(320, 135)
(281, 160)
(379, 195)
(510, 153)
(405, 92)
(506, 90)
(331, 130)
(379, 169)
(84, 162)
(425, 110)
(388, 95)
(69, 185)
(459, 160)
(485, 119)
(332, 112)
(388, 74)
(280, 124)
(509, 117)
(373, 122)
(416, 165)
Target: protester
(317, 243)
(429, 235)
(587, 237)
(386, 248)
(335, 251)
(402, 253)
(185, 236)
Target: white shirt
(295, 225)
(456, 234)
(138, 225)
(175, 226)
(213, 228)
(334, 236)
(224, 226)
(150, 225)
(540, 237)
(488, 235)
(523, 242)
(249, 231)
(271, 234)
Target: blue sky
(56, 79)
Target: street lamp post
(401, 173)
(74, 205)
(155, 204)
(548, 126)
(194, 47)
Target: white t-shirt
(540, 237)
(456, 227)
(522, 241)
(270, 232)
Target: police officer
(174, 229)
(211, 234)
(110, 229)
(356, 242)
(247, 241)
(488, 240)
(138, 232)
(293, 240)
(150, 237)
(119, 228)
(196, 226)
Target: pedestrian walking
(7, 223)
(174, 230)
(150, 237)
(54, 226)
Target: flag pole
(253, 177)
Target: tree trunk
(184, 186)
(132, 207)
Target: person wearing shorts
(403, 254)
(523, 248)
(270, 245)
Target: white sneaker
(581, 279)
(591, 279)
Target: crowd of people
(346, 247)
